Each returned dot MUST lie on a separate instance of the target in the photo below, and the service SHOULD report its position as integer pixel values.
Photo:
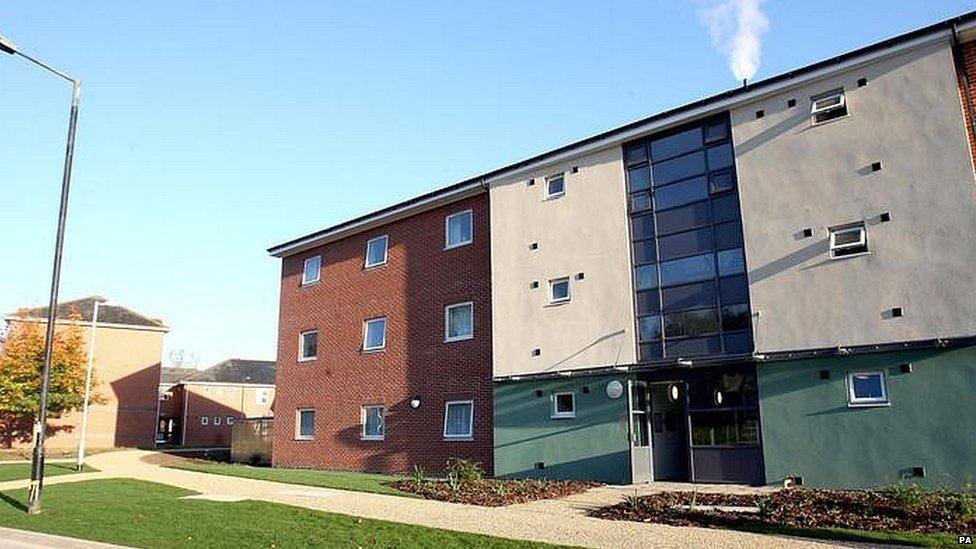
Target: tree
(21, 364)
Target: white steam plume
(736, 27)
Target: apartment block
(770, 285)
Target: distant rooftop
(84, 307)
(171, 374)
(236, 370)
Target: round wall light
(415, 402)
(674, 392)
(718, 397)
(615, 389)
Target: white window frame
(301, 346)
(816, 109)
(216, 421)
(362, 420)
(318, 272)
(204, 421)
(366, 324)
(230, 420)
(386, 251)
(447, 230)
(553, 177)
(862, 241)
(556, 414)
(470, 435)
(262, 396)
(298, 424)
(569, 290)
(447, 322)
(854, 401)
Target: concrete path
(22, 539)
(560, 521)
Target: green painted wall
(593, 445)
(808, 429)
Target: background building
(199, 409)
(126, 364)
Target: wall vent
(897, 312)
(861, 82)
(530, 182)
(540, 465)
(918, 471)
(885, 217)
(536, 352)
(585, 390)
(790, 103)
(906, 368)
(580, 276)
(574, 169)
(807, 233)
(824, 374)
(538, 392)
(534, 246)
(534, 284)
(876, 166)
(760, 113)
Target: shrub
(465, 470)
(907, 496)
(419, 476)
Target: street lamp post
(40, 431)
(88, 382)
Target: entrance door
(640, 443)
(668, 426)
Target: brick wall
(965, 55)
(217, 402)
(411, 290)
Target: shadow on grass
(16, 503)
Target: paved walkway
(560, 521)
(22, 539)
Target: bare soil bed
(888, 510)
(493, 492)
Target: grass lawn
(863, 536)
(19, 471)
(340, 480)
(146, 514)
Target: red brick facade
(965, 55)
(411, 290)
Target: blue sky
(211, 130)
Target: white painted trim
(447, 325)
(569, 290)
(362, 421)
(386, 252)
(301, 345)
(470, 435)
(854, 402)
(298, 424)
(318, 272)
(447, 229)
(556, 414)
(549, 179)
(366, 324)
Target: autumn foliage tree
(21, 364)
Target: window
(689, 269)
(374, 334)
(866, 389)
(204, 420)
(459, 419)
(312, 270)
(555, 186)
(828, 106)
(459, 321)
(563, 405)
(731, 262)
(374, 424)
(850, 240)
(458, 230)
(262, 396)
(559, 290)
(216, 420)
(308, 345)
(304, 424)
(230, 420)
(376, 251)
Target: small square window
(204, 420)
(312, 270)
(458, 229)
(555, 186)
(459, 419)
(230, 420)
(374, 334)
(828, 106)
(564, 405)
(459, 321)
(849, 240)
(376, 251)
(308, 344)
(262, 396)
(374, 422)
(559, 290)
(304, 424)
(866, 389)
(216, 420)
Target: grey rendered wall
(584, 231)
(793, 175)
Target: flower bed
(905, 509)
(492, 492)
